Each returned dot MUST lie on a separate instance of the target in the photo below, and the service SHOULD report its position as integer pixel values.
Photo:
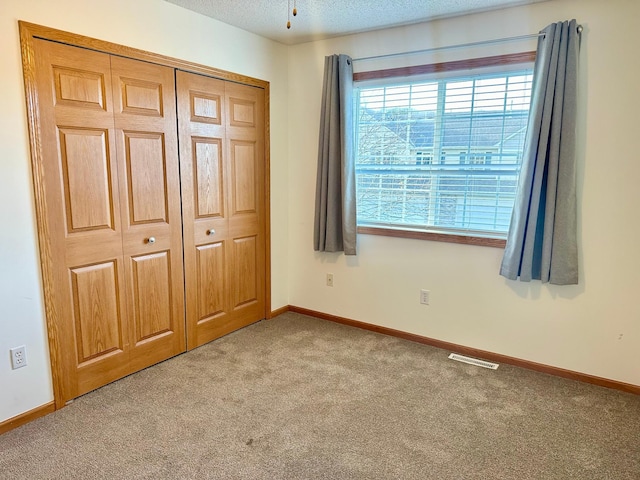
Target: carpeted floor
(301, 398)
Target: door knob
(151, 240)
(211, 231)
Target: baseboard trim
(278, 311)
(473, 352)
(48, 408)
(27, 417)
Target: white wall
(593, 327)
(152, 25)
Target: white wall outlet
(18, 357)
(329, 279)
(424, 297)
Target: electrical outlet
(18, 357)
(329, 279)
(424, 297)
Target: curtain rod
(462, 45)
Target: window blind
(444, 154)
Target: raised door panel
(141, 97)
(146, 174)
(212, 283)
(243, 112)
(97, 311)
(100, 325)
(208, 186)
(244, 166)
(145, 120)
(206, 107)
(245, 271)
(152, 295)
(80, 88)
(87, 179)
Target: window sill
(432, 236)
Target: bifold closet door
(221, 131)
(149, 172)
(110, 169)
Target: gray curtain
(335, 215)
(541, 243)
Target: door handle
(151, 240)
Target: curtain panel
(335, 209)
(542, 243)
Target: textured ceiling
(319, 19)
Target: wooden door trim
(32, 30)
(28, 33)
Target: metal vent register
(473, 361)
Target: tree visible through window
(444, 154)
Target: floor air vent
(473, 361)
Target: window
(442, 155)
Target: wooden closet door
(245, 131)
(108, 144)
(221, 131)
(149, 173)
(80, 170)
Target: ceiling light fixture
(289, 11)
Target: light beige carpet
(301, 398)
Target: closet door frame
(28, 33)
